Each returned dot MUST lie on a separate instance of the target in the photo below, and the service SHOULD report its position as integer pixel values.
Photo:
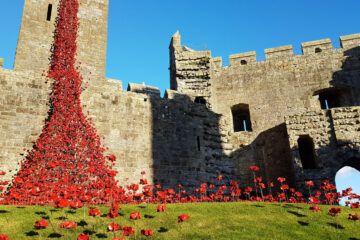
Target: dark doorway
(307, 152)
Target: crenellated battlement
(308, 48)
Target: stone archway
(348, 176)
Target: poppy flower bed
(232, 220)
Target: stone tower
(36, 36)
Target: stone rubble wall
(336, 137)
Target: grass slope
(207, 221)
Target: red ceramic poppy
(254, 168)
(354, 217)
(128, 231)
(94, 212)
(3, 237)
(112, 227)
(183, 217)
(83, 236)
(41, 224)
(134, 216)
(315, 208)
(147, 232)
(67, 224)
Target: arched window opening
(48, 17)
(348, 177)
(243, 62)
(241, 118)
(318, 50)
(307, 152)
(200, 100)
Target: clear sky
(140, 31)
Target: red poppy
(334, 211)
(355, 205)
(284, 187)
(143, 181)
(161, 208)
(309, 183)
(41, 224)
(1, 174)
(117, 238)
(353, 217)
(147, 232)
(112, 158)
(258, 179)
(3, 237)
(83, 236)
(183, 217)
(315, 208)
(112, 227)
(128, 231)
(94, 212)
(254, 168)
(281, 179)
(134, 215)
(76, 204)
(219, 177)
(67, 224)
(62, 203)
(270, 184)
(143, 172)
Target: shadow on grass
(334, 225)
(82, 223)
(291, 206)
(303, 223)
(40, 213)
(101, 235)
(258, 206)
(162, 230)
(148, 216)
(297, 214)
(61, 218)
(20, 207)
(4, 211)
(71, 211)
(354, 238)
(141, 206)
(55, 235)
(54, 210)
(89, 232)
(31, 233)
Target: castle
(294, 116)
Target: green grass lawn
(207, 221)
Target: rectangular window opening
(198, 143)
(48, 17)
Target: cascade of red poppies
(67, 160)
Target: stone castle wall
(336, 137)
(169, 138)
(282, 85)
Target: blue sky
(140, 31)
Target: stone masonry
(193, 133)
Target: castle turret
(37, 32)
(190, 71)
